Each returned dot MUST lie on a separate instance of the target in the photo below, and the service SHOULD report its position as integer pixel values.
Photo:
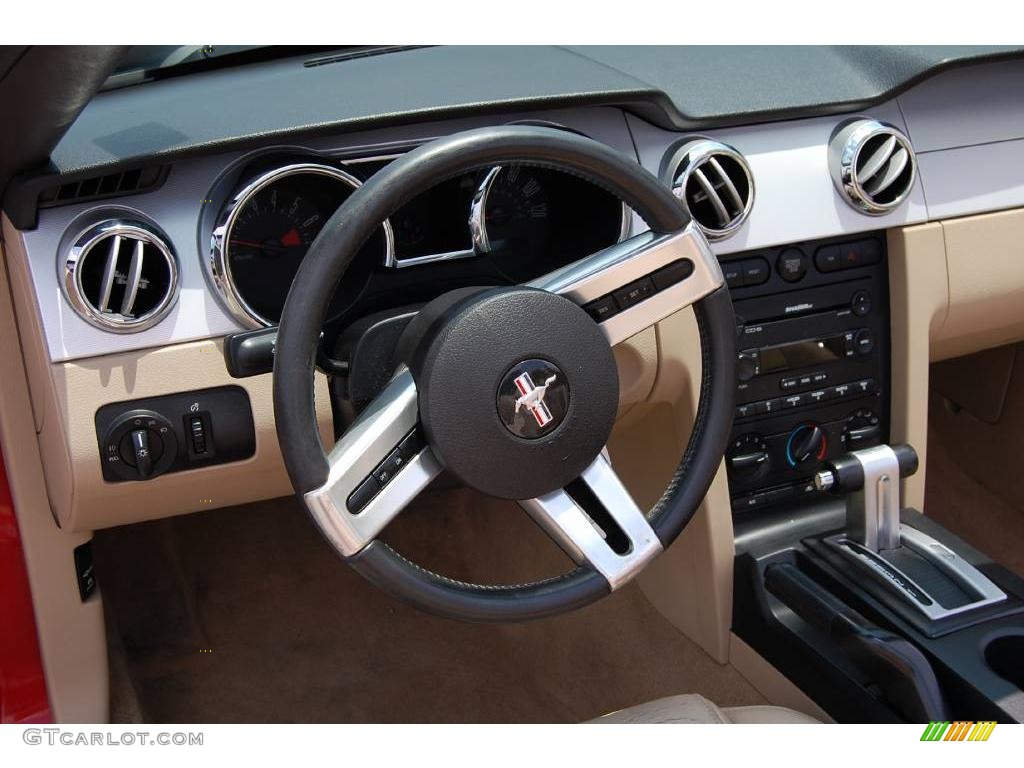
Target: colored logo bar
(959, 730)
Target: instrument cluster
(500, 225)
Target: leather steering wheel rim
(332, 252)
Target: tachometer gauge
(511, 211)
(266, 231)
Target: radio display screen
(802, 354)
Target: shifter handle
(845, 474)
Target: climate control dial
(806, 446)
(747, 458)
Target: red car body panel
(23, 697)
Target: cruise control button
(361, 496)
(387, 469)
(634, 293)
(674, 273)
(411, 445)
(601, 309)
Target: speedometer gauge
(513, 210)
(266, 231)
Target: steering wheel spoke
(632, 285)
(597, 523)
(377, 467)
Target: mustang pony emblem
(532, 398)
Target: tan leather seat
(695, 709)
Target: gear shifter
(899, 557)
(872, 476)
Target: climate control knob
(747, 458)
(806, 446)
(862, 430)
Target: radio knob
(862, 430)
(747, 458)
(746, 366)
(806, 446)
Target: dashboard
(151, 242)
(500, 225)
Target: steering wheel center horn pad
(468, 353)
(480, 363)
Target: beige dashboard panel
(986, 283)
(919, 301)
(79, 388)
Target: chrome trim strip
(965, 575)
(218, 265)
(620, 264)
(377, 431)
(101, 316)
(573, 529)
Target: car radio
(812, 363)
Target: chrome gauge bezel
(478, 215)
(219, 264)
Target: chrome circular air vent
(872, 165)
(120, 275)
(714, 182)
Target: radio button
(820, 377)
(755, 272)
(792, 265)
(787, 384)
(839, 391)
(732, 271)
(746, 410)
(767, 407)
(818, 396)
(793, 401)
(864, 387)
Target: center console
(812, 328)
(876, 612)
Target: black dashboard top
(682, 88)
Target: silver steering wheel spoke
(634, 284)
(617, 555)
(377, 467)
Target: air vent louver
(128, 182)
(121, 276)
(872, 165)
(714, 183)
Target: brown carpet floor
(245, 615)
(970, 510)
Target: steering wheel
(513, 390)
